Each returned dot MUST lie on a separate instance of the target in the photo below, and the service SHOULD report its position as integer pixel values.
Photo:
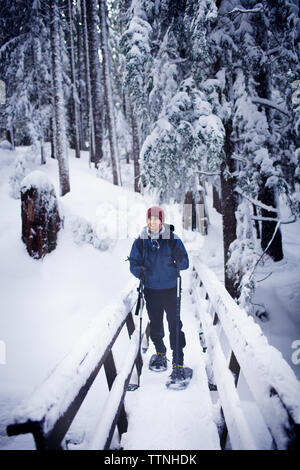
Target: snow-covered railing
(49, 412)
(234, 344)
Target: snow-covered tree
(26, 62)
(246, 39)
(136, 46)
(186, 137)
(74, 121)
(106, 61)
(59, 102)
(97, 102)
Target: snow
(36, 179)
(57, 392)
(49, 304)
(56, 305)
(264, 368)
(175, 418)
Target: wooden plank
(111, 374)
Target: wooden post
(111, 374)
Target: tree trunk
(194, 214)
(75, 120)
(88, 84)
(109, 96)
(80, 66)
(40, 217)
(256, 223)
(229, 205)
(59, 104)
(135, 152)
(217, 203)
(43, 156)
(267, 195)
(38, 89)
(202, 213)
(10, 137)
(96, 91)
(53, 136)
(189, 216)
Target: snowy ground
(47, 304)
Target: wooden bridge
(238, 378)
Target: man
(155, 257)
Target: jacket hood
(165, 232)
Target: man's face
(154, 224)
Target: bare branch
(271, 104)
(270, 219)
(206, 173)
(256, 202)
(263, 279)
(266, 249)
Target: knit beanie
(156, 211)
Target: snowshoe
(158, 362)
(180, 378)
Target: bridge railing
(51, 409)
(235, 344)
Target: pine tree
(186, 137)
(136, 47)
(258, 113)
(26, 69)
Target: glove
(177, 255)
(142, 273)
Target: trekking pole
(139, 311)
(177, 324)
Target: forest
(187, 92)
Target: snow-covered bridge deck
(168, 419)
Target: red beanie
(156, 211)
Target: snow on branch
(256, 202)
(207, 173)
(271, 104)
(270, 219)
(240, 9)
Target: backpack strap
(171, 241)
(141, 243)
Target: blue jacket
(157, 256)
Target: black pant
(158, 301)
